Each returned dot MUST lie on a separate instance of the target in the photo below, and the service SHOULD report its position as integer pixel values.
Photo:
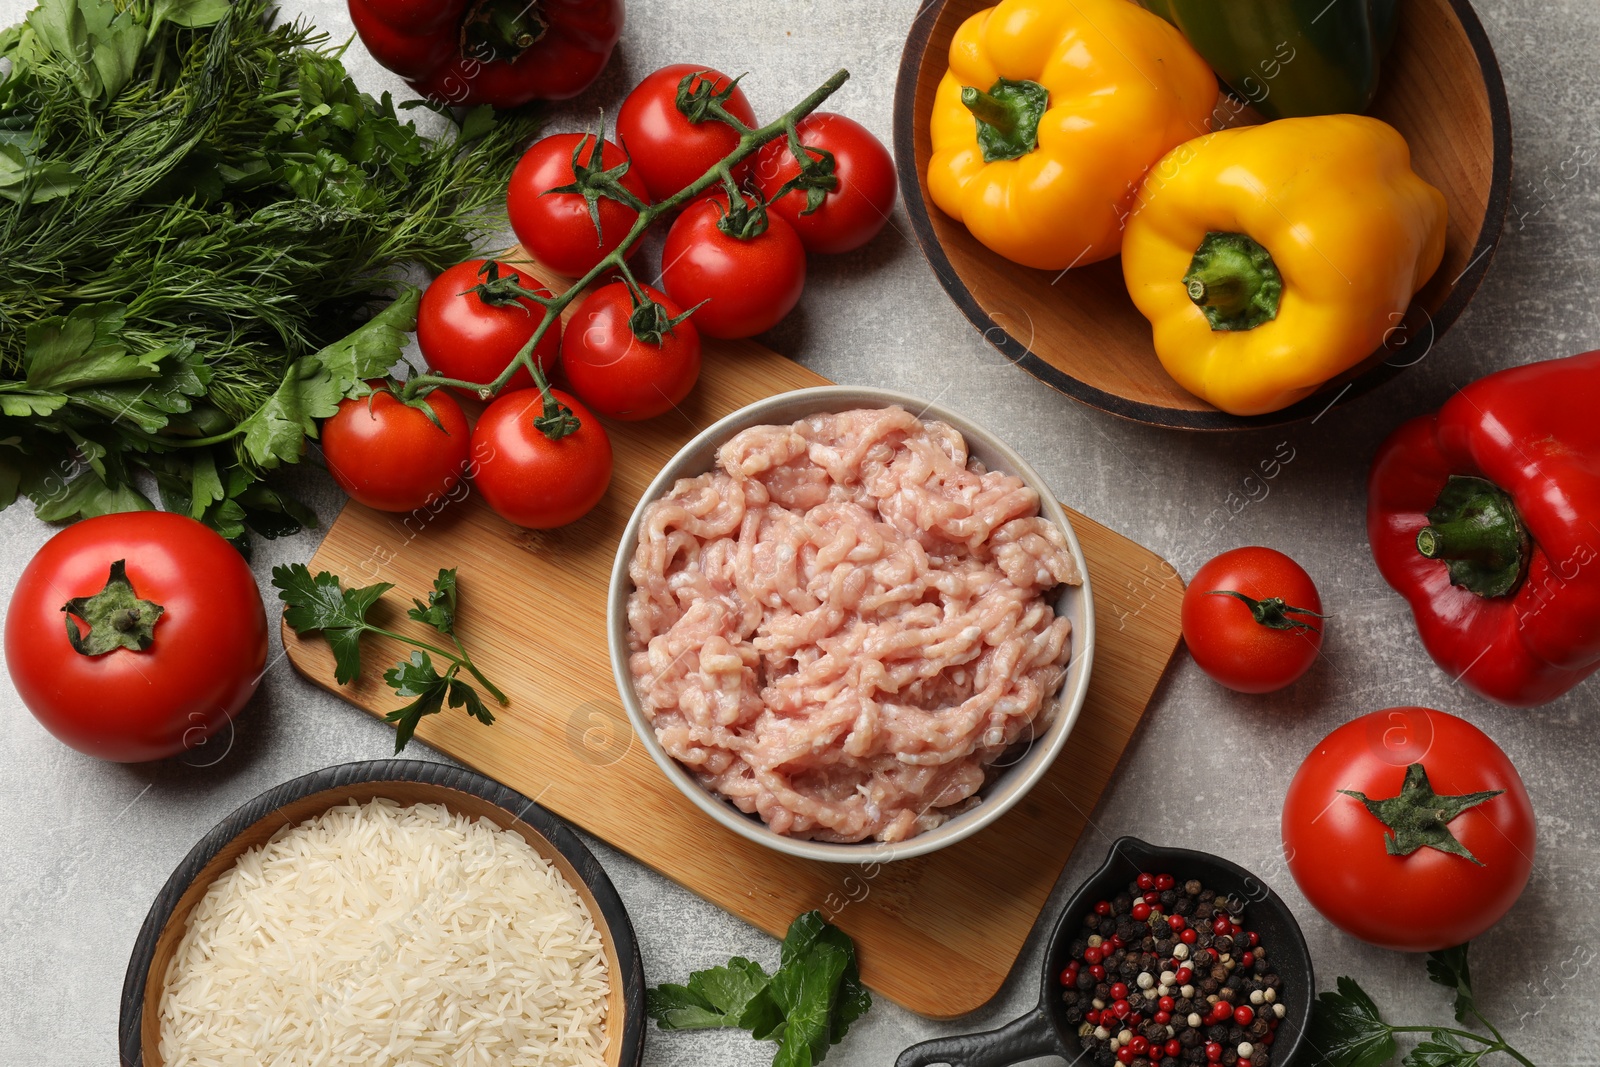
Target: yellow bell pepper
(1050, 113)
(1271, 258)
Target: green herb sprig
(320, 604)
(1347, 1030)
(206, 226)
(806, 1006)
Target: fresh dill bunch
(202, 218)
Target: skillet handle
(1027, 1038)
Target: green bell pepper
(1290, 57)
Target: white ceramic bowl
(698, 457)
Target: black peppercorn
(1073, 1014)
(1259, 1028)
(1153, 1032)
(1182, 1007)
(1075, 948)
(1085, 981)
(1218, 1033)
(1259, 1058)
(1160, 928)
(1103, 991)
(1235, 1034)
(1203, 941)
(1193, 887)
(1227, 994)
(1259, 966)
(1229, 1057)
(1104, 1057)
(1169, 897)
(1169, 1061)
(1222, 943)
(1206, 895)
(1234, 982)
(1136, 1003)
(1204, 910)
(1107, 926)
(1208, 986)
(1122, 905)
(1164, 945)
(1219, 973)
(1189, 1038)
(1195, 1054)
(1271, 981)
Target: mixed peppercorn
(1166, 975)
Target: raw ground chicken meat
(846, 622)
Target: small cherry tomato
(749, 283)
(1253, 620)
(136, 636)
(557, 227)
(856, 188)
(389, 455)
(542, 459)
(471, 323)
(628, 362)
(670, 132)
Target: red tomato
(669, 150)
(531, 480)
(390, 456)
(852, 213)
(557, 227)
(207, 646)
(464, 336)
(1253, 647)
(1430, 898)
(615, 372)
(751, 284)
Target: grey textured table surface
(84, 845)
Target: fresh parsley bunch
(806, 1006)
(1347, 1029)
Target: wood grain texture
(1079, 332)
(937, 934)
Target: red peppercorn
(1119, 990)
(1213, 1051)
(1221, 926)
(1141, 912)
(1103, 908)
(1092, 955)
(1117, 942)
(1162, 1018)
(1092, 1017)
(1247, 960)
(1125, 1053)
(1268, 1039)
(1120, 1009)
(1152, 898)
(1238, 930)
(1188, 937)
(1183, 975)
(1098, 973)
(1174, 1047)
(1164, 882)
(1140, 1045)
(1272, 1023)
(1166, 1003)
(1067, 976)
(1177, 922)
(1255, 939)
(1146, 881)
(1244, 1015)
(1214, 954)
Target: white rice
(377, 934)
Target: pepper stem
(1475, 530)
(1008, 117)
(1233, 280)
(502, 29)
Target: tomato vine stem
(750, 140)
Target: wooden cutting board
(937, 934)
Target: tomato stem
(750, 141)
(116, 616)
(1272, 612)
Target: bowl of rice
(392, 912)
(850, 625)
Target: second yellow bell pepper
(1271, 258)
(1050, 113)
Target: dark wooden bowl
(408, 782)
(1080, 333)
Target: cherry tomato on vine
(856, 189)
(389, 455)
(1409, 828)
(1253, 620)
(628, 362)
(559, 228)
(136, 636)
(542, 459)
(471, 325)
(670, 131)
(749, 284)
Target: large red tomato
(748, 284)
(851, 212)
(390, 456)
(1409, 828)
(617, 372)
(538, 465)
(557, 227)
(672, 148)
(465, 336)
(136, 636)
(1253, 620)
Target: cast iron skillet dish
(1044, 1031)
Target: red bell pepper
(1486, 517)
(504, 53)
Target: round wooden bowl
(407, 782)
(1079, 332)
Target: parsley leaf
(1442, 1050)
(1449, 968)
(321, 603)
(1347, 1031)
(416, 677)
(440, 610)
(806, 1006)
